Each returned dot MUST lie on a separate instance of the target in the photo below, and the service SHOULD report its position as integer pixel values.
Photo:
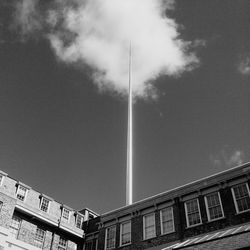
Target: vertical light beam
(129, 179)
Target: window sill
(124, 245)
(196, 225)
(242, 212)
(221, 218)
(162, 234)
(149, 238)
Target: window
(15, 226)
(213, 206)
(62, 245)
(167, 220)
(149, 226)
(79, 221)
(65, 214)
(193, 215)
(241, 197)
(110, 237)
(91, 244)
(125, 233)
(44, 205)
(39, 238)
(21, 192)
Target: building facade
(31, 220)
(211, 213)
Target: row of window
(21, 194)
(39, 237)
(214, 209)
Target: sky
(63, 94)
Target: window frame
(161, 221)
(35, 238)
(19, 226)
(18, 189)
(186, 213)
(106, 234)
(81, 222)
(207, 208)
(60, 247)
(41, 202)
(144, 224)
(63, 210)
(121, 233)
(234, 198)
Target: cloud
(99, 32)
(26, 17)
(227, 157)
(244, 65)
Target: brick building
(211, 213)
(30, 220)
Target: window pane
(65, 214)
(21, 192)
(192, 212)
(167, 220)
(39, 238)
(125, 233)
(62, 245)
(149, 226)
(214, 206)
(242, 198)
(44, 204)
(15, 226)
(110, 237)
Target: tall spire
(129, 179)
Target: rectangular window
(21, 193)
(44, 206)
(39, 238)
(125, 233)
(89, 245)
(62, 245)
(65, 214)
(193, 215)
(241, 197)
(15, 226)
(79, 221)
(167, 220)
(213, 206)
(110, 237)
(149, 226)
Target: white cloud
(26, 16)
(244, 65)
(227, 157)
(98, 33)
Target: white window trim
(82, 219)
(129, 221)
(26, 192)
(185, 204)
(1, 181)
(234, 198)
(41, 201)
(172, 213)
(106, 232)
(207, 209)
(144, 236)
(63, 209)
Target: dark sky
(63, 137)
